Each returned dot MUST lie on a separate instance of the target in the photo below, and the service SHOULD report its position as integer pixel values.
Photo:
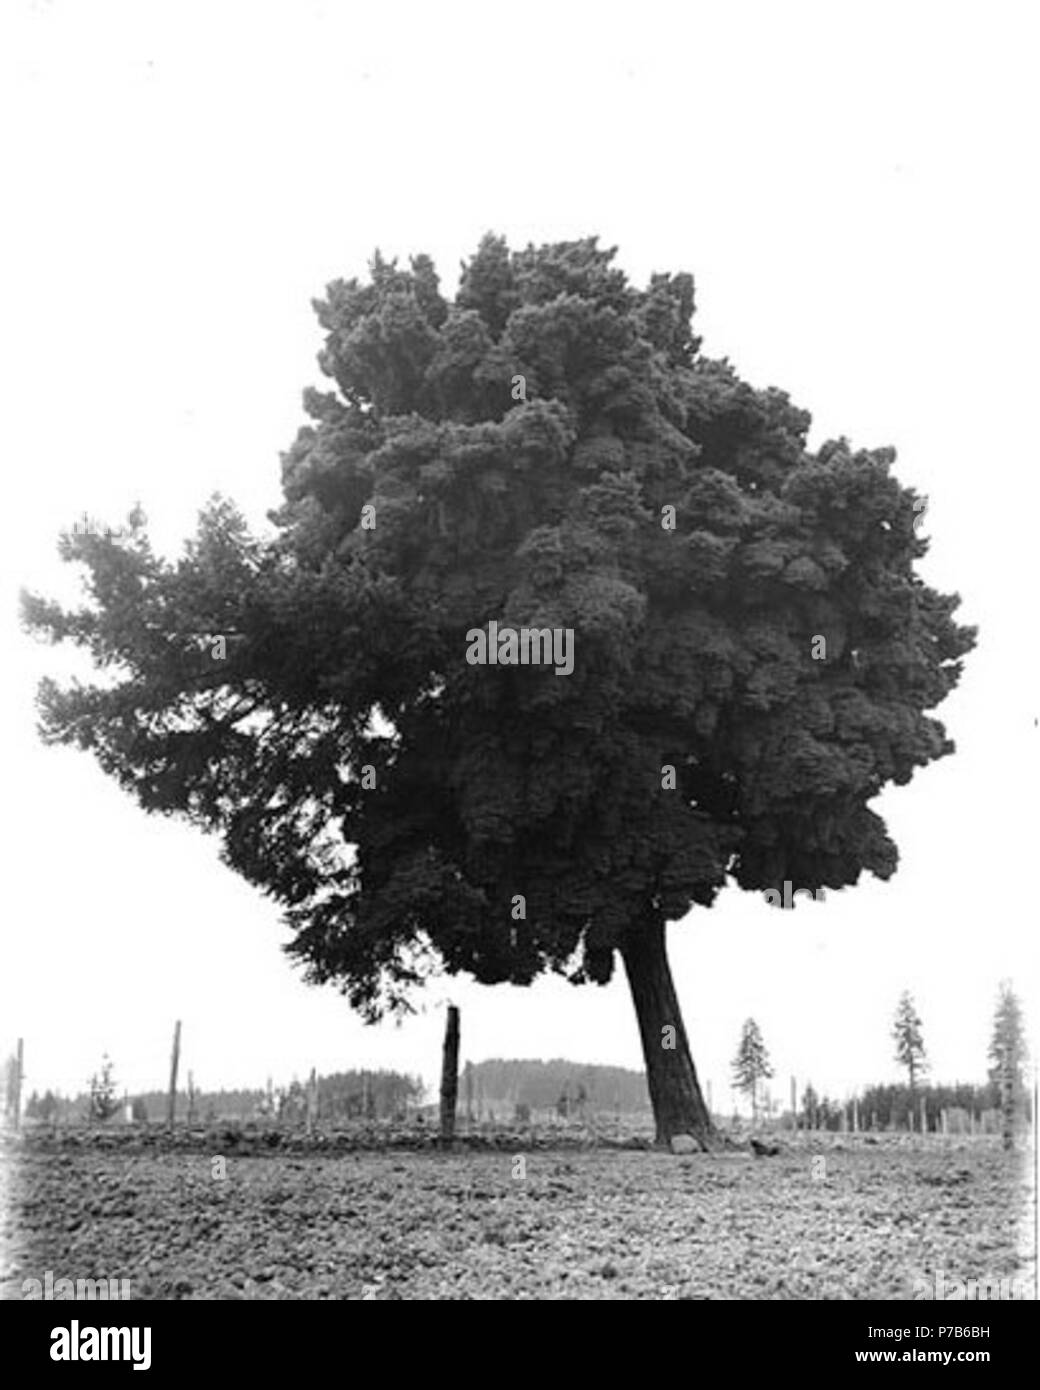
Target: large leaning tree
(754, 656)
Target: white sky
(854, 189)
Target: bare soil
(510, 1217)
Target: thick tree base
(675, 1092)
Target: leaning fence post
(175, 1057)
(450, 1075)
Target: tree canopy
(1008, 1048)
(754, 655)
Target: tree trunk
(1007, 1103)
(675, 1093)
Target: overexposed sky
(853, 187)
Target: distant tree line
(900, 1106)
(341, 1096)
(365, 1094)
(559, 1085)
(895, 1105)
(518, 1085)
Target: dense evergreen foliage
(754, 656)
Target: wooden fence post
(794, 1104)
(175, 1057)
(450, 1075)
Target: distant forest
(893, 1105)
(341, 1096)
(557, 1085)
(498, 1088)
